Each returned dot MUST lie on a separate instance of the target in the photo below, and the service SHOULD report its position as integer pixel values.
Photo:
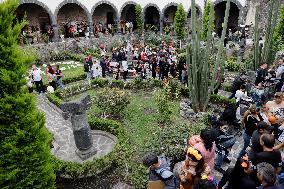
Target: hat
(278, 94)
(263, 125)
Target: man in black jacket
(238, 82)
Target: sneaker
(219, 169)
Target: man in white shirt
(240, 93)
(279, 75)
(37, 78)
(276, 107)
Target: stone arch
(172, 4)
(125, 4)
(236, 11)
(65, 2)
(127, 13)
(198, 10)
(108, 3)
(39, 16)
(51, 16)
(152, 19)
(236, 2)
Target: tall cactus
(198, 60)
(265, 54)
(257, 51)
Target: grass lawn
(69, 68)
(145, 134)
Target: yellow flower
(204, 177)
(198, 157)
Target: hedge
(75, 170)
(54, 99)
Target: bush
(112, 101)
(227, 87)
(100, 82)
(174, 88)
(117, 84)
(163, 103)
(93, 52)
(25, 160)
(74, 79)
(52, 97)
(232, 66)
(221, 100)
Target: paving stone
(61, 130)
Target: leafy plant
(25, 160)
(112, 101)
(163, 103)
(117, 83)
(100, 82)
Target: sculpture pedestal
(86, 154)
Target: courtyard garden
(96, 130)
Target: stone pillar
(91, 25)
(81, 129)
(118, 26)
(161, 25)
(55, 30)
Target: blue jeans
(89, 76)
(246, 138)
(59, 83)
(220, 157)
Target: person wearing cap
(266, 174)
(276, 107)
(261, 73)
(268, 155)
(256, 147)
(160, 174)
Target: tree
(180, 21)
(206, 19)
(25, 160)
(139, 18)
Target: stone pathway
(61, 129)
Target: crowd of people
(54, 76)
(258, 116)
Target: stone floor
(64, 144)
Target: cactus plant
(198, 60)
(265, 54)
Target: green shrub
(227, 87)
(74, 79)
(100, 82)
(93, 52)
(174, 88)
(25, 160)
(232, 66)
(184, 91)
(221, 100)
(163, 103)
(112, 101)
(117, 84)
(52, 97)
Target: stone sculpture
(82, 133)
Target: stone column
(81, 129)
(118, 26)
(55, 29)
(161, 25)
(91, 26)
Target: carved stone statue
(82, 133)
